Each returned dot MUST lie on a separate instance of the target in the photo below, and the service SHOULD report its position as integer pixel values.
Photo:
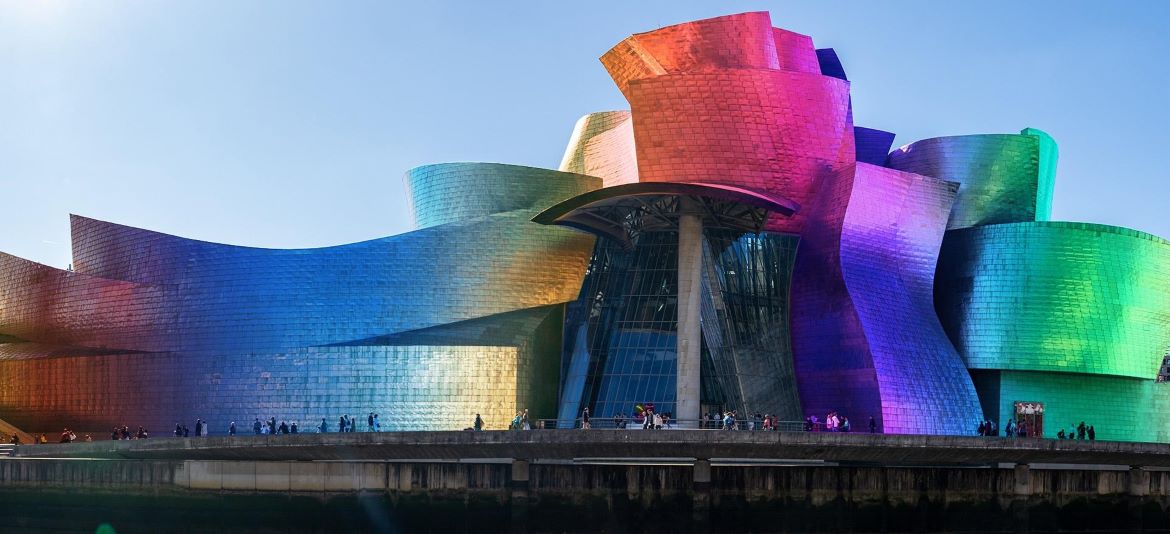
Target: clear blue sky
(290, 124)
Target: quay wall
(519, 495)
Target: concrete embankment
(534, 496)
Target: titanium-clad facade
(756, 251)
(1003, 178)
(866, 338)
(428, 328)
(1057, 296)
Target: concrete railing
(559, 444)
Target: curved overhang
(621, 212)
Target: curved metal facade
(1056, 296)
(713, 102)
(602, 145)
(1004, 178)
(453, 192)
(833, 304)
(865, 336)
(427, 328)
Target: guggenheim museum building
(731, 241)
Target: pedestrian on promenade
(323, 427)
(293, 427)
(232, 429)
(256, 426)
(370, 422)
(585, 419)
(1092, 433)
(872, 425)
(178, 430)
(478, 423)
(377, 424)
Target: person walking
(370, 422)
(198, 427)
(232, 429)
(478, 423)
(872, 425)
(377, 424)
(1092, 433)
(256, 427)
(585, 419)
(323, 427)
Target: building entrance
(1030, 418)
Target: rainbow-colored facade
(732, 241)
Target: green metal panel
(1046, 172)
(1003, 178)
(1056, 296)
(1120, 409)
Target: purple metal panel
(865, 336)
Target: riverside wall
(532, 496)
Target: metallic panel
(1056, 296)
(744, 40)
(865, 336)
(1001, 175)
(764, 144)
(602, 145)
(795, 52)
(831, 64)
(872, 145)
(427, 327)
(452, 192)
(1119, 408)
(713, 102)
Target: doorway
(1030, 417)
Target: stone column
(1139, 491)
(690, 272)
(701, 496)
(518, 496)
(1021, 491)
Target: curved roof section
(607, 212)
(743, 40)
(450, 192)
(282, 298)
(1002, 176)
(1056, 296)
(48, 305)
(602, 145)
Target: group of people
(270, 427)
(1021, 429)
(68, 436)
(520, 422)
(652, 420)
(1078, 432)
(181, 430)
(123, 432)
(834, 422)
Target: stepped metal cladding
(734, 206)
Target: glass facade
(620, 335)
